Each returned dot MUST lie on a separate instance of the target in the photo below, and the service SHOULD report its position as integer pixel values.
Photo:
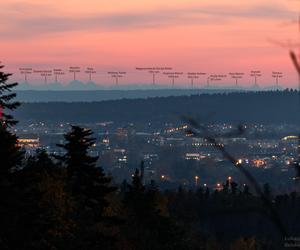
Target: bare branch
(267, 203)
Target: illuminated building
(105, 141)
(259, 163)
(29, 142)
(290, 137)
(194, 156)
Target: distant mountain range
(81, 86)
(77, 91)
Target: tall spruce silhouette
(78, 142)
(10, 153)
(11, 157)
(87, 180)
(89, 188)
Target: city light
(196, 179)
(239, 162)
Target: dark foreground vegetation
(68, 202)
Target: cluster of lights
(259, 163)
(29, 143)
(239, 162)
(171, 130)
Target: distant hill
(104, 95)
(263, 107)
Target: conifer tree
(10, 158)
(10, 153)
(6, 99)
(41, 162)
(89, 188)
(78, 142)
(147, 227)
(87, 180)
(137, 183)
(44, 205)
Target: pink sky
(191, 35)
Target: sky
(215, 37)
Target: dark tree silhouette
(41, 161)
(78, 142)
(44, 206)
(89, 188)
(267, 191)
(10, 154)
(10, 158)
(6, 99)
(147, 226)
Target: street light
(239, 162)
(196, 179)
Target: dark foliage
(88, 187)
(148, 226)
(6, 99)
(10, 154)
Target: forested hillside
(263, 107)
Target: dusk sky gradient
(214, 37)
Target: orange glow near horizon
(220, 37)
